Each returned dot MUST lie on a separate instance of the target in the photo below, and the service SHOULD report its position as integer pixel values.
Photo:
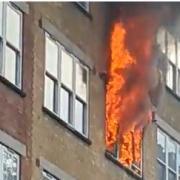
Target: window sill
(12, 86)
(83, 10)
(173, 93)
(72, 130)
(109, 156)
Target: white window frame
(72, 91)
(176, 70)
(133, 167)
(17, 156)
(5, 43)
(165, 164)
(48, 175)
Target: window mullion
(73, 93)
(87, 106)
(166, 160)
(58, 80)
(4, 19)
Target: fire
(128, 106)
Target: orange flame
(128, 105)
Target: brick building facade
(53, 111)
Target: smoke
(134, 80)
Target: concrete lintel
(54, 170)
(23, 6)
(12, 143)
(167, 128)
(69, 45)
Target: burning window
(128, 103)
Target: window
(9, 164)
(170, 46)
(66, 86)
(48, 176)
(11, 43)
(168, 157)
(135, 166)
(84, 5)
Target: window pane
(178, 88)
(171, 176)
(161, 39)
(161, 146)
(161, 172)
(178, 160)
(171, 149)
(66, 69)
(178, 54)
(81, 81)
(1, 6)
(64, 105)
(170, 76)
(171, 50)
(51, 57)
(10, 65)
(49, 93)
(13, 27)
(10, 165)
(79, 116)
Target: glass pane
(170, 76)
(171, 49)
(79, 116)
(49, 93)
(178, 88)
(161, 39)
(51, 57)
(64, 105)
(171, 176)
(161, 172)
(66, 69)
(178, 160)
(10, 165)
(1, 6)
(81, 81)
(161, 146)
(10, 65)
(178, 54)
(171, 149)
(13, 27)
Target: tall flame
(128, 106)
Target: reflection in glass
(171, 149)
(171, 49)
(79, 116)
(161, 146)
(66, 69)
(161, 171)
(10, 165)
(81, 81)
(178, 160)
(49, 93)
(10, 65)
(178, 54)
(51, 57)
(171, 176)
(161, 39)
(64, 105)
(13, 27)
(170, 76)
(1, 7)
